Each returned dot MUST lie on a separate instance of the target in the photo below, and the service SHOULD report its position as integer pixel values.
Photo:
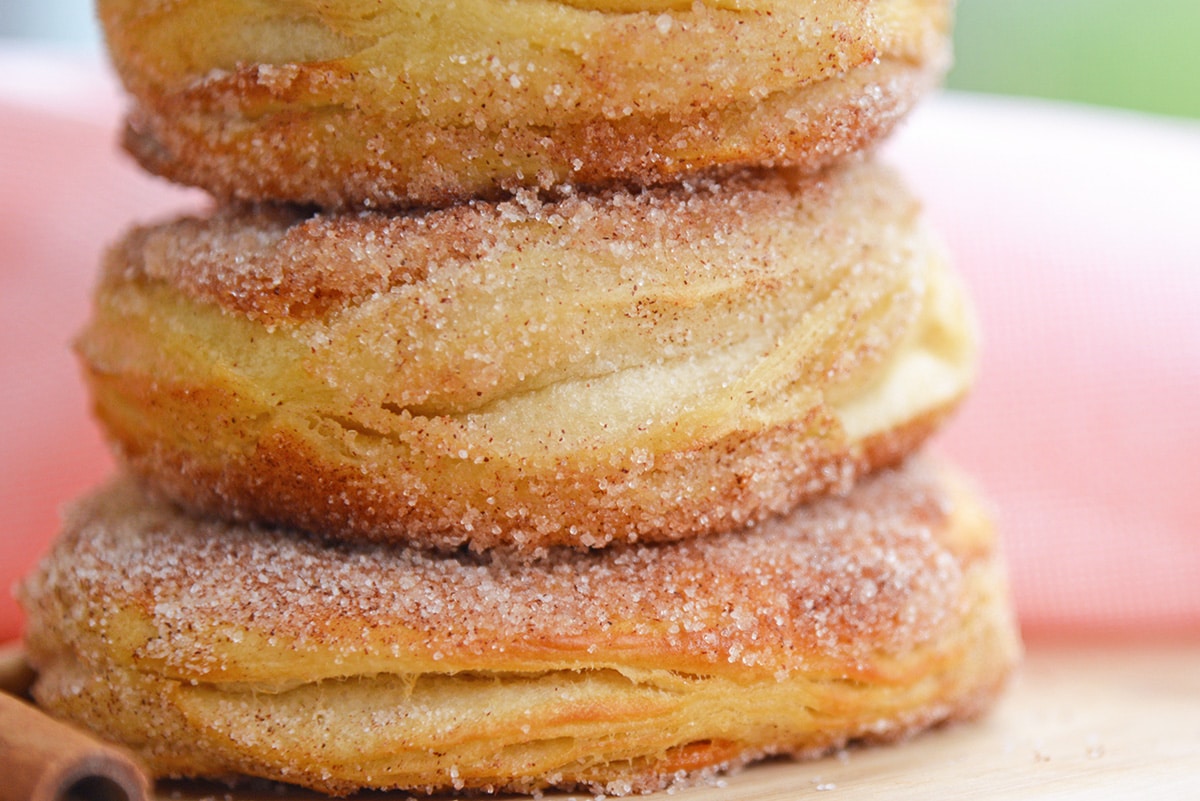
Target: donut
(218, 650)
(421, 102)
(639, 366)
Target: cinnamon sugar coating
(217, 649)
(624, 366)
(420, 102)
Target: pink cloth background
(1075, 228)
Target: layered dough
(215, 649)
(645, 366)
(423, 102)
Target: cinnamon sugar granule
(756, 599)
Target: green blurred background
(1140, 55)
(1137, 54)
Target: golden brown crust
(409, 102)
(645, 366)
(214, 648)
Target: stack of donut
(536, 408)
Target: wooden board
(1115, 721)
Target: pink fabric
(1074, 228)
(1077, 230)
(65, 191)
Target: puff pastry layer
(215, 649)
(415, 102)
(629, 366)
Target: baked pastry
(215, 649)
(629, 366)
(410, 102)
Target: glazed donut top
(877, 572)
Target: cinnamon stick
(15, 674)
(42, 759)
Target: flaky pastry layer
(418, 102)
(645, 366)
(214, 649)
